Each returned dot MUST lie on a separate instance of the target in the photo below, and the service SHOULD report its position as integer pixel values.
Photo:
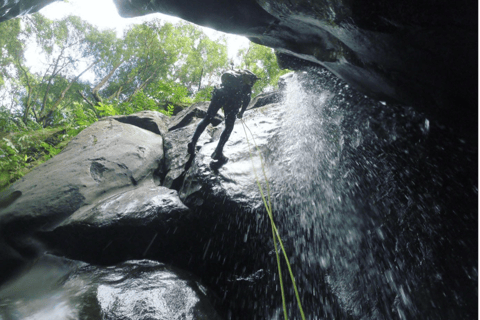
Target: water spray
(275, 234)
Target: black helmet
(249, 77)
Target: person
(233, 95)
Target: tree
(63, 46)
(202, 58)
(153, 65)
(10, 47)
(159, 61)
(262, 61)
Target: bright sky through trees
(103, 14)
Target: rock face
(190, 114)
(99, 201)
(142, 222)
(265, 98)
(57, 288)
(364, 214)
(108, 158)
(153, 121)
(11, 8)
(105, 158)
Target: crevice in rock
(178, 182)
(96, 171)
(159, 173)
(146, 124)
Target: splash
(358, 191)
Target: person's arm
(245, 102)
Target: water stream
(378, 208)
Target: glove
(240, 115)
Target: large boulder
(233, 249)
(143, 222)
(57, 288)
(265, 98)
(153, 121)
(104, 159)
(236, 181)
(193, 113)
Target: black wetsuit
(231, 100)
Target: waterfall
(359, 191)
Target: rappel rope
(275, 234)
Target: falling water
(360, 190)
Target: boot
(219, 156)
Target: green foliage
(170, 91)
(21, 151)
(263, 62)
(83, 116)
(204, 94)
(106, 110)
(169, 111)
(7, 121)
(51, 151)
(10, 162)
(168, 94)
(11, 48)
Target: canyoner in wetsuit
(233, 95)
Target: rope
(275, 233)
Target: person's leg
(229, 124)
(198, 132)
(211, 112)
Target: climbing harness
(275, 234)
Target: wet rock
(192, 114)
(372, 221)
(283, 80)
(145, 222)
(153, 121)
(235, 181)
(177, 158)
(234, 242)
(56, 288)
(265, 98)
(182, 127)
(105, 158)
(11, 8)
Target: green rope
(275, 232)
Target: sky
(104, 15)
